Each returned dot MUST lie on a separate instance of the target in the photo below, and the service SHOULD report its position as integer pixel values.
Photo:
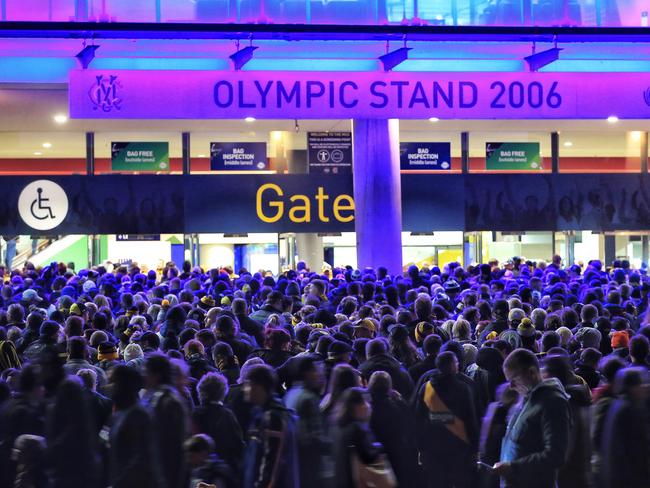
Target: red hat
(620, 339)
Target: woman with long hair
(353, 441)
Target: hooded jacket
(576, 472)
(537, 437)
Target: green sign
(140, 156)
(520, 156)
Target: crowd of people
(521, 374)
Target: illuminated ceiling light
(242, 56)
(394, 58)
(38, 153)
(568, 144)
(612, 119)
(201, 155)
(60, 118)
(249, 119)
(434, 119)
(86, 55)
(47, 145)
(537, 61)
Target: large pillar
(377, 194)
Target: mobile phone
(483, 465)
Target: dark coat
(353, 438)
(384, 362)
(17, 417)
(423, 366)
(271, 457)
(537, 438)
(313, 445)
(576, 473)
(252, 327)
(170, 431)
(199, 366)
(625, 446)
(221, 424)
(392, 423)
(434, 421)
(132, 458)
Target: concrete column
(610, 249)
(310, 250)
(377, 194)
(570, 240)
(309, 245)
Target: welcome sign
(150, 94)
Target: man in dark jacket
(500, 322)
(270, 460)
(625, 443)
(24, 414)
(132, 459)
(380, 360)
(272, 305)
(170, 418)
(431, 348)
(304, 399)
(217, 421)
(446, 426)
(246, 324)
(536, 441)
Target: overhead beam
(293, 32)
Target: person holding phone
(535, 445)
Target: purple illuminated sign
(143, 94)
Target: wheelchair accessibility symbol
(43, 205)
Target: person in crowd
(393, 426)
(271, 457)
(304, 399)
(206, 469)
(170, 417)
(70, 434)
(493, 431)
(133, 457)
(211, 417)
(536, 441)
(354, 443)
(625, 443)
(576, 471)
(78, 360)
(446, 426)
(120, 369)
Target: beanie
(107, 351)
(526, 328)
(620, 339)
(565, 335)
(132, 351)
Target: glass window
(606, 151)
(42, 153)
